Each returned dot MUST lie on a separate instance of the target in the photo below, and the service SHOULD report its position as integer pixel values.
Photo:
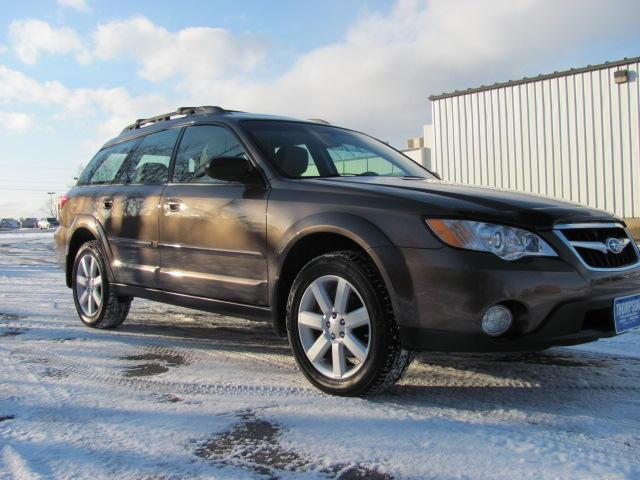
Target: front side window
(305, 150)
(149, 163)
(200, 145)
(106, 164)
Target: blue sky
(291, 29)
(74, 72)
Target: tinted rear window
(149, 163)
(105, 165)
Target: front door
(131, 209)
(212, 233)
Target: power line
(30, 189)
(34, 167)
(19, 183)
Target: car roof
(163, 122)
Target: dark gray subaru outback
(354, 251)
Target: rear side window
(200, 145)
(149, 163)
(105, 165)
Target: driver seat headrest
(292, 160)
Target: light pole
(51, 194)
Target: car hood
(446, 199)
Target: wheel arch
(86, 228)
(317, 235)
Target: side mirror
(233, 169)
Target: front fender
(388, 259)
(361, 231)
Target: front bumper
(555, 301)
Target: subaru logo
(615, 245)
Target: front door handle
(172, 205)
(107, 203)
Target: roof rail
(179, 112)
(319, 120)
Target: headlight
(508, 243)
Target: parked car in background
(43, 224)
(53, 222)
(29, 222)
(354, 251)
(10, 223)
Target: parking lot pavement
(179, 393)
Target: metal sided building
(573, 135)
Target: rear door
(95, 192)
(212, 232)
(131, 209)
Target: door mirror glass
(232, 169)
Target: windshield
(303, 150)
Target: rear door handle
(107, 203)
(172, 205)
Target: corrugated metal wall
(574, 137)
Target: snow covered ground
(176, 393)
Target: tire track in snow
(83, 429)
(17, 465)
(552, 433)
(399, 400)
(163, 386)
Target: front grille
(597, 259)
(589, 242)
(593, 234)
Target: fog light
(497, 320)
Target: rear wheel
(96, 303)
(342, 328)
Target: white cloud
(16, 87)
(80, 5)
(16, 122)
(378, 78)
(195, 52)
(110, 108)
(30, 38)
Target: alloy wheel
(334, 327)
(89, 287)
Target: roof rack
(179, 112)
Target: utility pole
(53, 213)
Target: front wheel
(341, 326)
(96, 303)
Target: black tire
(113, 310)
(386, 361)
